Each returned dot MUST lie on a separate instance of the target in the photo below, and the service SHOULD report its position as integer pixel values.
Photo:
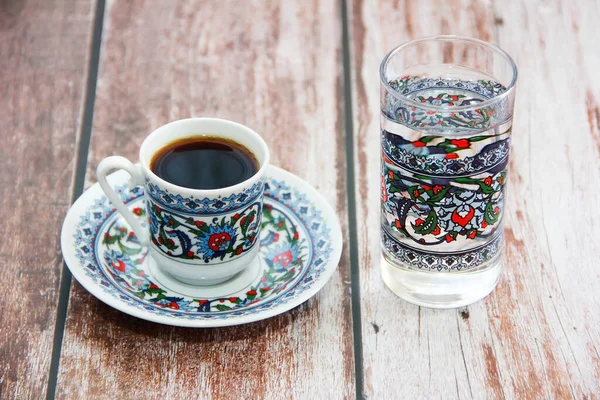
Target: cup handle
(136, 179)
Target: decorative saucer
(300, 247)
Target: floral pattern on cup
(193, 237)
(207, 205)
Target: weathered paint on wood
(43, 63)
(275, 67)
(538, 334)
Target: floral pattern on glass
(434, 212)
(444, 118)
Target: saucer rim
(273, 172)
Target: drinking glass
(446, 120)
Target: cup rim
(206, 192)
(430, 107)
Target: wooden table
(81, 80)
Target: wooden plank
(275, 67)
(537, 335)
(43, 58)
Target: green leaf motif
(222, 307)
(428, 226)
(439, 196)
(490, 217)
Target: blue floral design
(203, 206)
(216, 241)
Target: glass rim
(431, 107)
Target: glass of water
(446, 120)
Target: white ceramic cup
(200, 237)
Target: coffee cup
(198, 236)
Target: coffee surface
(204, 162)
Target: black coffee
(204, 162)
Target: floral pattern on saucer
(296, 242)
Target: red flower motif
(266, 289)
(418, 143)
(437, 189)
(436, 231)
(190, 254)
(236, 216)
(233, 299)
(122, 230)
(384, 195)
(284, 258)
(419, 222)
(153, 286)
(275, 237)
(199, 224)
(454, 97)
(280, 224)
(141, 273)
(463, 221)
(488, 181)
(155, 241)
(131, 234)
(202, 302)
(119, 266)
(460, 143)
(416, 193)
(451, 156)
(296, 236)
(426, 187)
(239, 251)
(449, 238)
(398, 224)
(496, 210)
(174, 306)
(472, 235)
(484, 224)
(500, 180)
(217, 240)
(137, 211)
(251, 293)
(391, 174)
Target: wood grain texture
(537, 335)
(276, 68)
(43, 63)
